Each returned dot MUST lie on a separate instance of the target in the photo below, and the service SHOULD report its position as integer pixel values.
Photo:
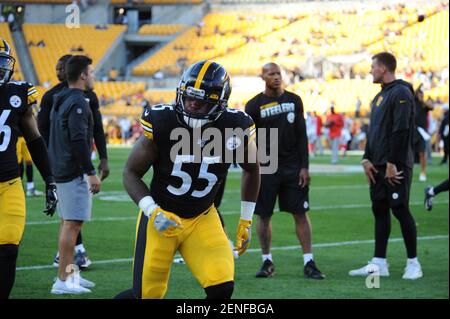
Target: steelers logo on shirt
(15, 101)
(233, 143)
(291, 117)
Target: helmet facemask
(6, 68)
(194, 120)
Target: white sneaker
(422, 177)
(62, 287)
(413, 271)
(86, 283)
(371, 268)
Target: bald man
(283, 110)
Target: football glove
(51, 199)
(166, 223)
(244, 235)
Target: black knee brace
(221, 291)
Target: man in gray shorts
(71, 133)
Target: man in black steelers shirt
(177, 212)
(388, 162)
(283, 110)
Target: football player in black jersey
(177, 211)
(283, 110)
(16, 116)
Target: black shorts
(396, 195)
(419, 142)
(292, 198)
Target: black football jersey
(15, 99)
(284, 113)
(187, 182)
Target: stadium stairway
(96, 13)
(27, 67)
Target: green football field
(342, 236)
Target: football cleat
(56, 261)
(311, 271)
(267, 269)
(82, 260)
(428, 202)
(370, 269)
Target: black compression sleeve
(39, 153)
(83, 155)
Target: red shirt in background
(335, 123)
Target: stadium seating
(156, 1)
(6, 34)
(60, 40)
(161, 29)
(40, 1)
(421, 46)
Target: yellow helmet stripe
(201, 74)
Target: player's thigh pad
(12, 211)
(207, 251)
(152, 260)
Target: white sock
(307, 258)
(30, 185)
(57, 254)
(379, 261)
(413, 260)
(80, 248)
(268, 256)
(431, 191)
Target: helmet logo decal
(198, 93)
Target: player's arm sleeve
(147, 123)
(99, 133)
(78, 123)
(303, 138)
(43, 117)
(401, 112)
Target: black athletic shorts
(284, 183)
(397, 194)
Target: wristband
(247, 209)
(145, 203)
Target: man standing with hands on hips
(71, 130)
(388, 161)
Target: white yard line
(256, 250)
